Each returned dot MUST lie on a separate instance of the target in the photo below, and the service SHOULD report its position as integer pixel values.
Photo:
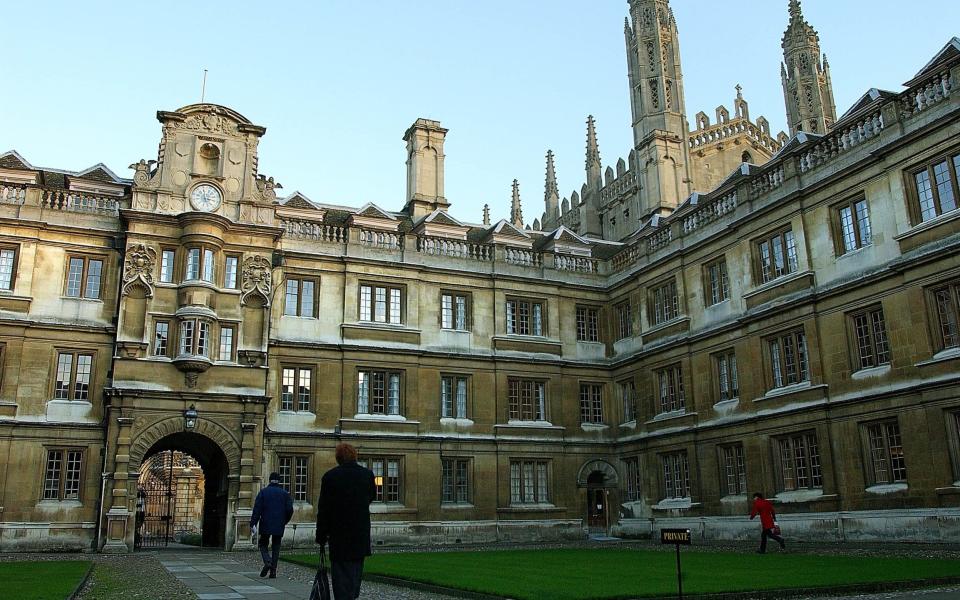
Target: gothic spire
(486, 215)
(805, 73)
(795, 11)
(551, 195)
(593, 148)
(516, 213)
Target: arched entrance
(168, 488)
(600, 480)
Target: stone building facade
(647, 355)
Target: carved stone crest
(138, 269)
(256, 279)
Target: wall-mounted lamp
(190, 417)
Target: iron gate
(156, 502)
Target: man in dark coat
(271, 513)
(764, 508)
(343, 519)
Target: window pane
(461, 313)
(380, 305)
(446, 397)
(203, 339)
(395, 306)
(230, 274)
(71, 484)
(928, 208)
(291, 298)
(365, 303)
(511, 317)
(941, 173)
(863, 223)
(94, 274)
(393, 407)
(226, 343)
(461, 398)
(307, 298)
(161, 338)
(847, 227)
(61, 389)
(81, 390)
(542, 492)
(75, 277)
(166, 266)
(300, 479)
(537, 319)
(515, 497)
(286, 389)
(446, 311)
(363, 393)
(186, 337)
(208, 265)
(303, 390)
(193, 263)
(7, 257)
(947, 313)
(51, 478)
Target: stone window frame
(397, 490)
(71, 392)
(467, 408)
(588, 323)
(884, 464)
(198, 325)
(174, 264)
(170, 342)
(454, 312)
(715, 293)
(540, 485)
(732, 466)
(83, 293)
(234, 327)
(296, 402)
(455, 487)
(515, 406)
(204, 260)
(624, 315)
(632, 479)
(811, 460)
(862, 237)
(61, 482)
(388, 308)
(592, 404)
(869, 348)
(952, 160)
(726, 360)
(387, 375)
(13, 267)
(671, 307)
(237, 274)
(628, 406)
(943, 308)
(675, 475)
(666, 378)
(298, 311)
(777, 365)
(291, 480)
(952, 416)
(531, 303)
(791, 262)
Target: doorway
(598, 501)
(182, 494)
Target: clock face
(205, 197)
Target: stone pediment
(98, 179)
(440, 224)
(566, 241)
(15, 169)
(948, 54)
(298, 206)
(508, 234)
(210, 119)
(371, 216)
(100, 172)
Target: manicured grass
(41, 580)
(604, 574)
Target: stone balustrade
(924, 95)
(770, 179)
(522, 257)
(384, 240)
(840, 141)
(12, 193)
(577, 264)
(71, 201)
(722, 131)
(662, 237)
(435, 246)
(624, 184)
(709, 212)
(307, 230)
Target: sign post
(677, 537)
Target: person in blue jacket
(271, 513)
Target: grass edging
(83, 581)
(839, 590)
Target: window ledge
(526, 338)
(734, 498)
(854, 252)
(51, 503)
(953, 490)
(675, 504)
(589, 343)
(725, 406)
(719, 304)
(374, 325)
(531, 424)
(669, 416)
(594, 426)
(790, 389)
(457, 422)
(79, 299)
(298, 413)
(385, 508)
(871, 372)
(300, 317)
(942, 356)
(200, 283)
(887, 488)
(370, 417)
(531, 508)
(460, 331)
(456, 506)
(665, 325)
(800, 496)
(629, 424)
(929, 224)
(776, 282)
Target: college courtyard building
(723, 311)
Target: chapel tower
(656, 99)
(807, 89)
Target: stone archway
(610, 476)
(599, 480)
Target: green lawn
(41, 580)
(603, 574)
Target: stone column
(119, 534)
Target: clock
(205, 197)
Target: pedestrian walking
(768, 524)
(271, 513)
(343, 520)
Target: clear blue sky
(336, 82)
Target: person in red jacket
(764, 508)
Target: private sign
(675, 536)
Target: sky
(337, 82)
